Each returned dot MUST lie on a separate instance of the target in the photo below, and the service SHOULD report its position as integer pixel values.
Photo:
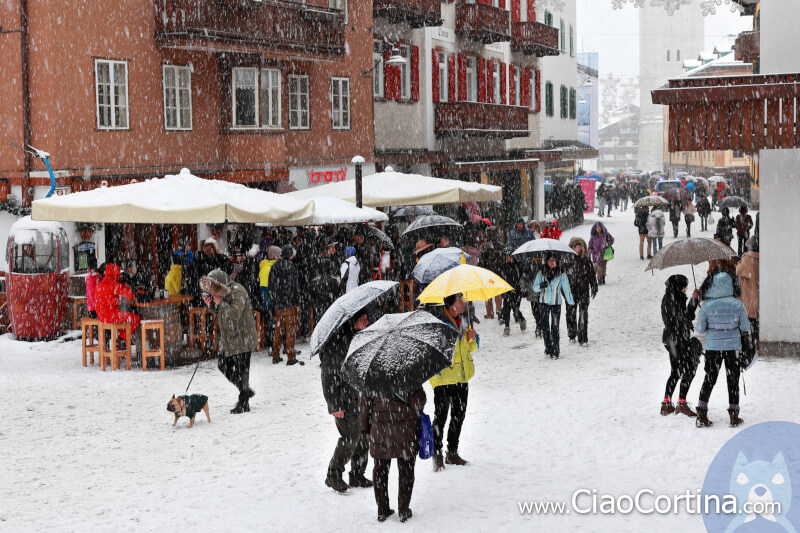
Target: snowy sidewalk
(84, 450)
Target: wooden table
(75, 305)
(168, 310)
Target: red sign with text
(327, 176)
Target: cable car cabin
(37, 282)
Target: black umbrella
(386, 242)
(691, 251)
(733, 202)
(399, 353)
(432, 226)
(346, 307)
(412, 211)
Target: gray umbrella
(412, 211)
(733, 202)
(399, 353)
(691, 251)
(651, 201)
(346, 307)
(386, 242)
(441, 260)
(432, 225)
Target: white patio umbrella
(177, 199)
(329, 210)
(396, 188)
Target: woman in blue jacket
(723, 319)
(550, 283)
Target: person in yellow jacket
(450, 387)
(172, 283)
(267, 306)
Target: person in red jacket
(106, 299)
(551, 230)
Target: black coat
(492, 255)
(513, 272)
(641, 221)
(392, 424)
(677, 315)
(338, 393)
(284, 285)
(325, 286)
(582, 277)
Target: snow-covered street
(85, 450)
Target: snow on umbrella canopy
(651, 201)
(475, 283)
(414, 211)
(346, 307)
(432, 226)
(438, 261)
(543, 247)
(386, 242)
(733, 202)
(691, 251)
(678, 194)
(399, 353)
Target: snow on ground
(89, 450)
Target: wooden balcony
(249, 25)
(748, 46)
(534, 38)
(483, 23)
(732, 112)
(474, 119)
(416, 13)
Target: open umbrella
(733, 202)
(717, 179)
(541, 247)
(346, 307)
(475, 283)
(432, 225)
(691, 251)
(440, 260)
(399, 353)
(412, 211)
(386, 242)
(677, 194)
(651, 201)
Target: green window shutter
(571, 41)
(548, 99)
(563, 37)
(563, 102)
(573, 111)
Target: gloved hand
(543, 284)
(594, 293)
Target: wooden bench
(90, 342)
(108, 345)
(154, 326)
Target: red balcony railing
(534, 38)
(483, 23)
(748, 47)
(474, 119)
(227, 25)
(416, 13)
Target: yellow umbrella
(475, 283)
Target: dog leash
(193, 373)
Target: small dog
(188, 406)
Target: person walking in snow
(342, 400)
(519, 235)
(675, 216)
(725, 226)
(350, 271)
(703, 211)
(724, 320)
(512, 272)
(551, 283)
(640, 221)
(677, 316)
(655, 229)
(744, 223)
(599, 241)
(583, 282)
(689, 211)
(284, 287)
(492, 258)
(601, 199)
(747, 272)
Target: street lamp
(358, 161)
(395, 59)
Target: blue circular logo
(753, 484)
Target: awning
(329, 210)
(396, 188)
(560, 150)
(179, 199)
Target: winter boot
(735, 420)
(405, 515)
(241, 407)
(684, 409)
(453, 458)
(702, 418)
(667, 408)
(335, 481)
(383, 515)
(438, 462)
(358, 480)
(506, 332)
(522, 324)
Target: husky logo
(760, 468)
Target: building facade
(619, 140)
(588, 103)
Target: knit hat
(273, 252)
(520, 220)
(349, 251)
(287, 252)
(213, 242)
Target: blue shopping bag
(425, 436)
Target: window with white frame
(341, 5)
(256, 98)
(496, 82)
(340, 103)
(517, 86)
(472, 79)
(377, 73)
(405, 73)
(443, 80)
(177, 82)
(299, 102)
(667, 56)
(111, 86)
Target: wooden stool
(88, 328)
(259, 330)
(76, 303)
(197, 326)
(156, 326)
(111, 332)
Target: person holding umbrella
(450, 386)
(640, 221)
(583, 283)
(678, 315)
(551, 283)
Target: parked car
(665, 185)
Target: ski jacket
(722, 317)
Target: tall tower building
(664, 43)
